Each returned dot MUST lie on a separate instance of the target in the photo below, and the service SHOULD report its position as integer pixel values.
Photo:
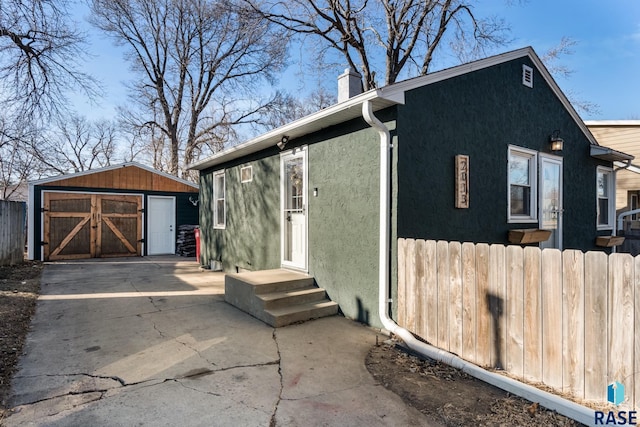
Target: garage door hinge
(44, 210)
(44, 243)
(141, 240)
(141, 210)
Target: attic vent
(527, 76)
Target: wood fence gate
(79, 225)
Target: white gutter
(551, 401)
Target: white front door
(551, 199)
(161, 224)
(293, 178)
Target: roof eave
(112, 167)
(394, 94)
(609, 154)
(335, 114)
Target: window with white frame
(218, 200)
(523, 195)
(605, 198)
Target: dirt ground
(19, 288)
(451, 397)
(442, 393)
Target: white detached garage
(123, 210)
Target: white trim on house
(112, 167)
(557, 233)
(220, 225)
(609, 123)
(611, 198)
(303, 263)
(532, 158)
(381, 98)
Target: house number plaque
(462, 181)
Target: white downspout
(551, 401)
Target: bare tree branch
(403, 32)
(190, 57)
(40, 55)
(77, 145)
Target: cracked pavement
(150, 341)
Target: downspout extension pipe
(550, 401)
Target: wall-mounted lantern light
(555, 142)
(283, 142)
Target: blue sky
(605, 61)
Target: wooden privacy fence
(570, 320)
(12, 232)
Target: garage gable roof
(380, 98)
(111, 168)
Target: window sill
(219, 228)
(522, 220)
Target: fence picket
(402, 282)
(455, 297)
(497, 305)
(552, 318)
(431, 282)
(636, 330)
(621, 321)
(410, 287)
(532, 314)
(515, 311)
(419, 277)
(443, 294)
(469, 325)
(573, 322)
(483, 343)
(595, 325)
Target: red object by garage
(197, 235)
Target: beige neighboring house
(623, 135)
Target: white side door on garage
(161, 225)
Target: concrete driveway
(150, 341)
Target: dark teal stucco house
(464, 154)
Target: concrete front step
(266, 281)
(278, 297)
(299, 313)
(275, 300)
